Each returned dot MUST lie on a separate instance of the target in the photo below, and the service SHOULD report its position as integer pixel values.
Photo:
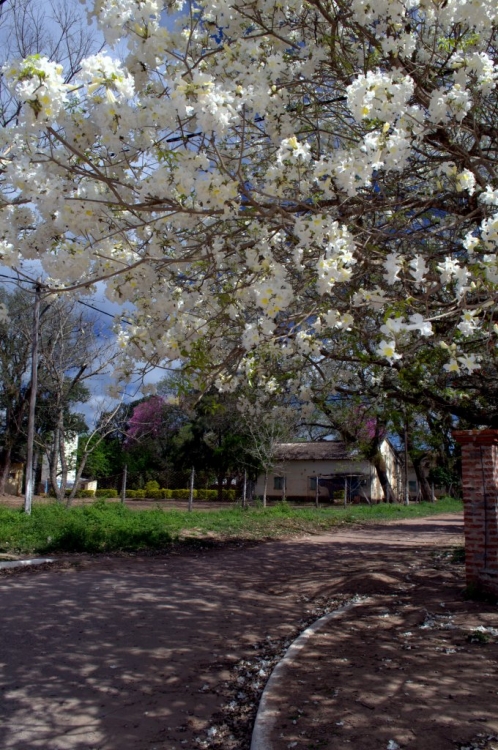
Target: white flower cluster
(232, 178)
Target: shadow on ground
(143, 653)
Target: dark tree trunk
(5, 469)
(422, 471)
(221, 477)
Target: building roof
(325, 450)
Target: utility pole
(28, 498)
(123, 485)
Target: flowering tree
(146, 420)
(263, 179)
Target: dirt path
(172, 652)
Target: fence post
(123, 484)
(191, 493)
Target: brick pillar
(480, 496)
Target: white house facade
(330, 469)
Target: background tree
(14, 386)
(149, 440)
(72, 353)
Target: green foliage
(283, 507)
(105, 459)
(85, 493)
(182, 494)
(135, 494)
(106, 527)
(478, 636)
(458, 555)
(106, 493)
(207, 494)
(151, 486)
(154, 494)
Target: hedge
(85, 493)
(105, 493)
(164, 494)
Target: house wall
(13, 485)
(71, 451)
(394, 472)
(297, 474)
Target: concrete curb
(266, 716)
(24, 563)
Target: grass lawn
(108, 527)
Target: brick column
(480, 498)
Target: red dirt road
(172, 652)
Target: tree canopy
(294, 191)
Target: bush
(135, 494)
(85, 493)
(213, 495)
(154, 494)
(182, 494)
(151, 486)
(166, 494)
(207, 494)
(105, 493)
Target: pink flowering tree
(147, 421)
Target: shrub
(182, 494)
(207, 494)
(151, 486)
(229, 495)
(106, 493)
(154, 494)
(85, 493)
(135, 494)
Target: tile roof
(325, 450)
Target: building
(329, 468)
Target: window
(312, 483)
(412, 486)
(278, 483)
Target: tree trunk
(62, 457)
(265, 489)
(221, 477)
(77, 479)
(5, 470)
(53, 464)
(380, 467)
(421, 471)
